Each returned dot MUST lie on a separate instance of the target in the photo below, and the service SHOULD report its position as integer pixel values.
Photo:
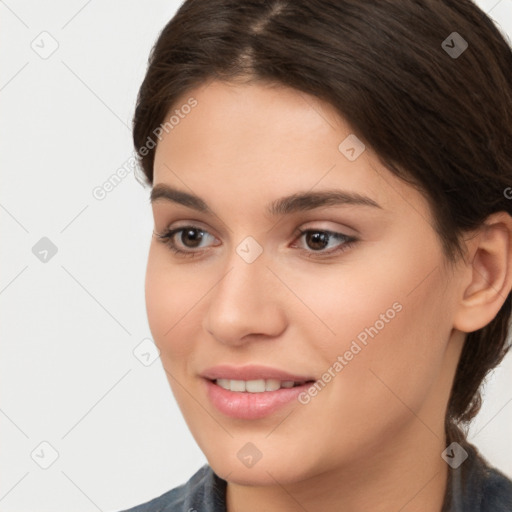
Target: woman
(329, 279)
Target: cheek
(171, 295)
(387, 369)
(398, 366)
(387, 317)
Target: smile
(251, 400)
(256, 386)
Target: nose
(246, 304)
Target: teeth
(255, 386)
(237, 385)
(223, 383)
(272, 385)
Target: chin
(258, 475)
(266, 471)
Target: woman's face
(368, 313)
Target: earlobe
(489, 270)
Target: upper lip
(251, 372)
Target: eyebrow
(301, 201)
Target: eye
(190, 237)
(184, 241)
(319, 239)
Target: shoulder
(479, 487)
(496, 492)
(204, 492)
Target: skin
(372, 438)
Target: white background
(69, 326)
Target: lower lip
(251, 406)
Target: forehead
(238, 121)
(248, 126)
(260, 139)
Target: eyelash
(167, 238)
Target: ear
(488, 273)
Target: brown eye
(186, 241)
(317, 240)
(192, 235)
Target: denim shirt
(472, 487)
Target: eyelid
(196, 224)
(339, 229)
(190, 223)
(171, 231)
(346, 242)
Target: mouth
(253, 399)
(258, 385)
(253, 373)
(253, 391)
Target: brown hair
(439, 121)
